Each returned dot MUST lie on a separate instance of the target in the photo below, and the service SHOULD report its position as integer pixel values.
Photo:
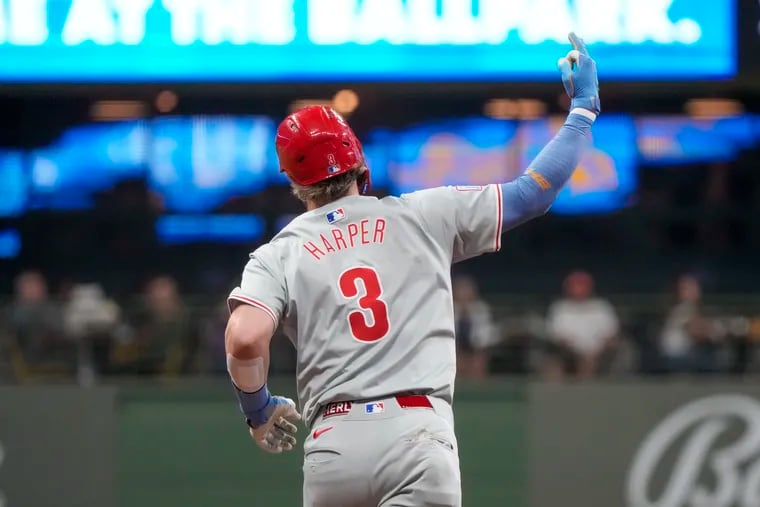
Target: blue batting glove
(579, 77)
(260, 416)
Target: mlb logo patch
(374, 408)
(333, 168)
(335, 215)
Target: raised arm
(533, 192)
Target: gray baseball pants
(393, 452)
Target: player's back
(365, 291)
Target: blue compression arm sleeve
(533, 193)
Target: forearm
(247, 340)
(533, 192)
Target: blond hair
(328, 190)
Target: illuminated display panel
(333, 40)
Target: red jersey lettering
(379, 231)
(365, 232)
(353, 231)
(326, 243)
(314, 250)
(351, 236)
(338, 237)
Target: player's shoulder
(266, 253)
(412, 199)
(296, 227)
(444, 192)
(393, 201)
(334, 213)
(276, 248)
(422, 193)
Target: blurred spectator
(520, 329)
(165, 337)
(689, 340)
(90, 321)
(212, 340)
(475, 331)
(582, 331)
(749, 357)
(36, 329)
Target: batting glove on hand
(579, 77)
(272, 427)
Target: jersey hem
(255, 303)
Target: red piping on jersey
(500, 218)
(254, 303)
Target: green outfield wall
(187, 447)
(626, 444)
(57, 447)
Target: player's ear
(363, 180)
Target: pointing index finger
(577, 43)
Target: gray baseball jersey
(362, 287)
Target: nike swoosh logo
(318, 433)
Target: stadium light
(114, 110)
(166, 101)
(501, 108)
(525, 109)
(714, 108)
(529, 109)
(345, 102)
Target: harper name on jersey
(352, 235)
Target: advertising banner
(645, 445)
(359, 40)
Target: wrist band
(584, 112)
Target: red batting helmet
(315, 143)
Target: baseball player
(362, 288)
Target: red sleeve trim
(255, 303)
(499, 218)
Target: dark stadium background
(92, 423)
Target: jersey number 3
(371, 324)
